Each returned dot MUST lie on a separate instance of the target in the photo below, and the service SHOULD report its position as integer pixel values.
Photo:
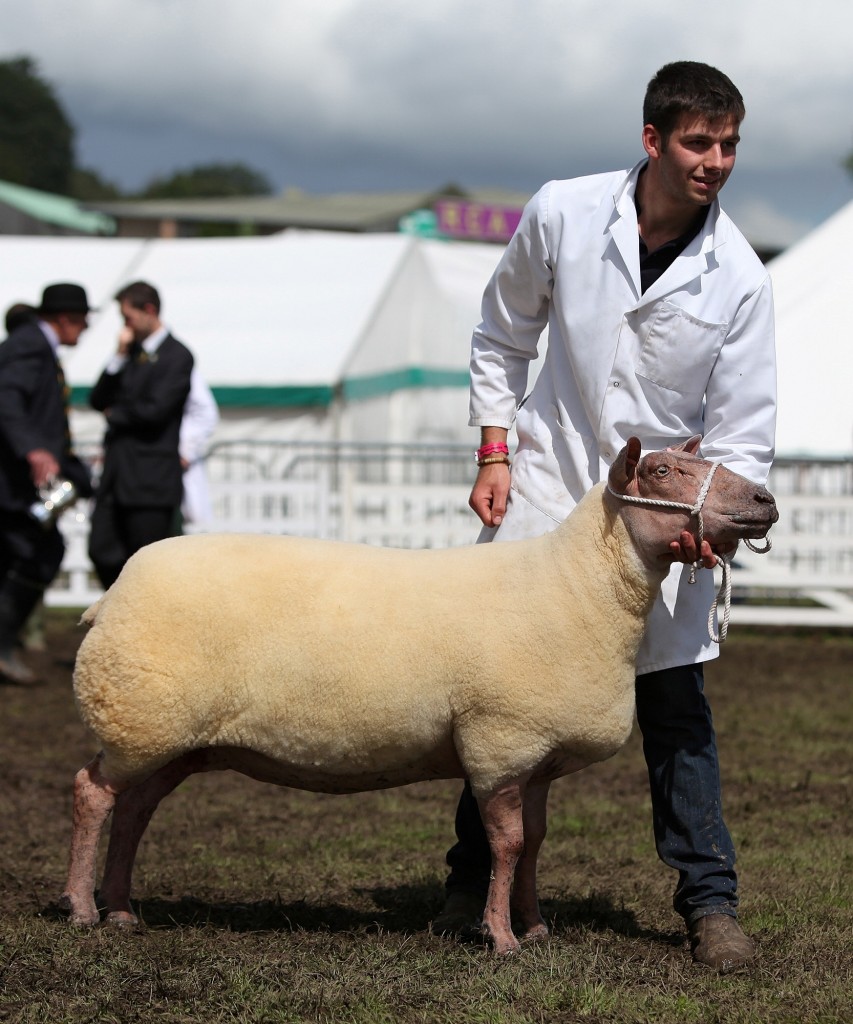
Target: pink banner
(460, 219)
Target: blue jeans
(684, 777)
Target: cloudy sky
(336, 95)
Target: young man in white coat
(660, 324)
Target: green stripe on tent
(250, 397)
(399, 380)
(79, 396)
(320, 394)
(354, 389)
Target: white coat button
(617, 383)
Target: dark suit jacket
(32, 415)
(144, 404)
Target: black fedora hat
(64, 298)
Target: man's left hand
(686, 550)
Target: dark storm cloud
(375, 94)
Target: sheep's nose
(764, 497)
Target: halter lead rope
(722, 560)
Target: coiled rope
(725, 591)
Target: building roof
(61, 211)
(341, 211)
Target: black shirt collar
(653, 264)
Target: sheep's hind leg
(94, 798)
(502, 817)
(133, 811)
(525, 903)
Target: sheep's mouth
(766, 519)
(754, 526)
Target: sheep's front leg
(525, 903)
(502, 817)
(133, 810)
(94, 798)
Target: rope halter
(722, 560)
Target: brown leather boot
(461, 914)
(718, 941)
(13, 670)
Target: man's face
(696, 160)
(69, 327)
(141, 321)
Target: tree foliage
(88, 186)
(37, 150)
(209, 181)
(36, 137)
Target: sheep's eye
(662, 471)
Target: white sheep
(341, 668)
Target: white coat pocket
(554, 467)
(679, 350)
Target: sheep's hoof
(507, 948)
(538, 933)
(507, 945)
(86, 918)
(122, 919)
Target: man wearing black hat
(35, 449)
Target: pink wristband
(491, 449)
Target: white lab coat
(201, 415)
(695, 354)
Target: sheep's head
(733, 508)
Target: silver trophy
(55, 497)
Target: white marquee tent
(322, 335)
(812, 282)
(308, 335)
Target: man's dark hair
(139, 294)
(688, 87)
(18, 314)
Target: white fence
(807, 577)
(413, 496)
(382, 494)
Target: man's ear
(652, 141)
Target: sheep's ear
(690, 446)
(633, 453)
(624, 469)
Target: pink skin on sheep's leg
(502, 814)
(133, 810)
(525, 902)
(94, 798)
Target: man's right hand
(43, 466)
(125, 340)
(490, 492)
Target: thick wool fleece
(347, 667)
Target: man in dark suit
(35, 448)
(141, 393)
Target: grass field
(270, 905)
